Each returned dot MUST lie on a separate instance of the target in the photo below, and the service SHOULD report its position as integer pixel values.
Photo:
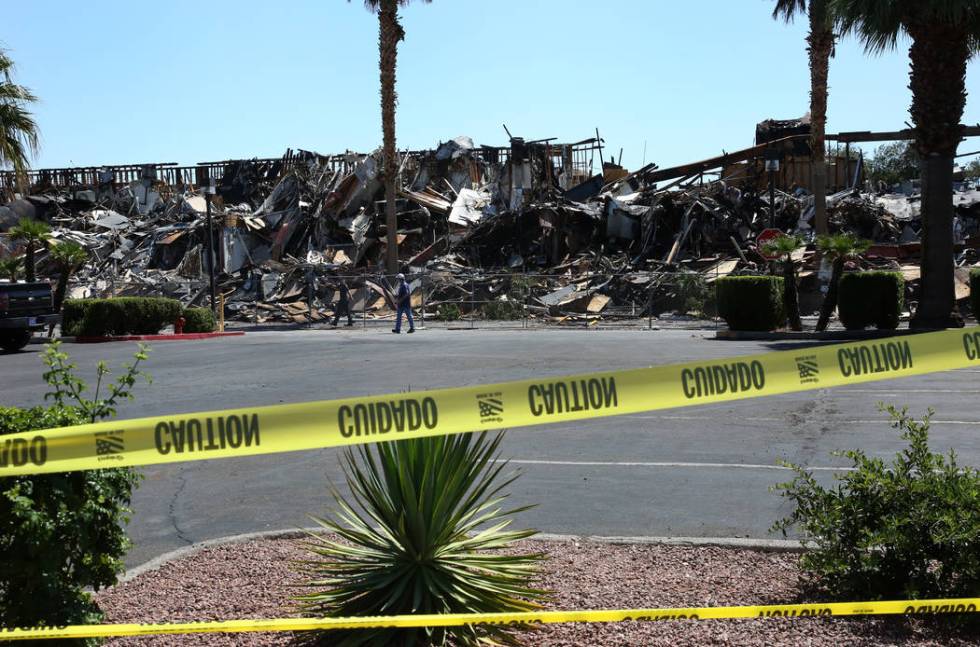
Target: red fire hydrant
(179, 326)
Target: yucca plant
(838, 248)
(424, 533)
(784, 246)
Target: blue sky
(127, 82)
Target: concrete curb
(181, 337)
(744, 543)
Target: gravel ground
(254, 580)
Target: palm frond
(842, 245)
(782, 245)
(787, 10)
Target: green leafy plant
(424, 533)
(838, 248)
(904, 530)
(33, 233)
(449, 312)
(68, 387)
(693, 294)
(751, 302)
(502, 310)
(784, 246)
(119, 316)
(63, 534)
(199, 320)
(10, 267)
(871, 298)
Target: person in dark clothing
(403, 300)
(343, 306)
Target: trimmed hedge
(118, 316)
(871, 298)
(199, 320)
(975, 293)
(751, 302)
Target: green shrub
(502, 311)
(975, 293)
(424, 533)
(119, 316)
(73, 312)
(61, 534)
(871, 298)
(449, 312)
(751, 302)
(898, 531)
(693, 294)
(199, 320)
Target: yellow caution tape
(333, 423)
(896, 607)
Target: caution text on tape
(333, 423)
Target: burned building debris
(526, 228)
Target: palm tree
(945, 34)
(784, 246)
(18, 130)
(68, 257)
(820, 43)
(10, 266)
(838, 248)
(33, 233)
(390, 32)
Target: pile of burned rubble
(521, 230)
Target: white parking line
(750, 466)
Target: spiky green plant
(784, 246)
(838, 248)
(33, 233)
(424, 533)
(10, 266)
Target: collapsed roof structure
(596, 241)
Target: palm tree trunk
(29, 262)
(790, 297)
(938, 58)
(830, 301)
(59, 294)
(390, 32)
(821, 44)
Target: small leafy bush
(502, 310)
(693, 294)
(751, 302)
(449, 312)
(975, 292)
(199, 320)
(871, 298)
(61, 534)
(424, 533)
(901, 531)
(119, 316)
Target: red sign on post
(765, 236)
